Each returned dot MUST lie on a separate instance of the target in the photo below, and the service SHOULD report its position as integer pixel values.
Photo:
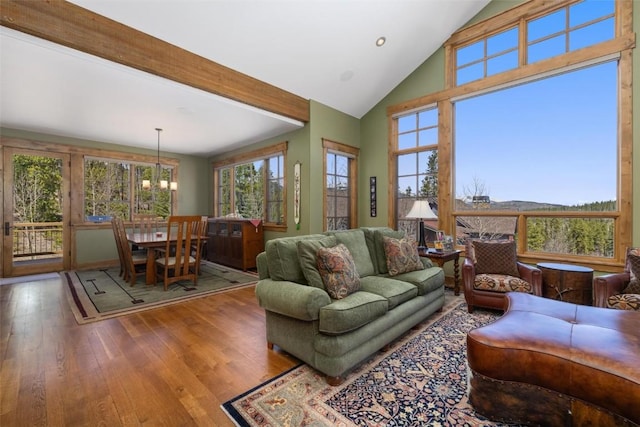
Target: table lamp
(421, 211)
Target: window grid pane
(108, 189)
(275, 193)
(417, 173)
(488, 56)
(337, 202)
(257, 188)
(571, 28)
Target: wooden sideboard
(234, 242)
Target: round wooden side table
(567, 282)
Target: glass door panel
(35, 235)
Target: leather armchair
(614, 284)
(480, 295)
(609, 285)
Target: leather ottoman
(547, 362)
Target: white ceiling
(318, 49)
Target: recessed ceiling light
(381, 41)
(346, 76)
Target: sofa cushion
(501, 283)
(633, 264)
(376, 250)
(395, 291)
(308, 256)
(426, 280)
(338, 271)
(496, 257)
(632, 252)
(378, 243)
(355, 242)
(624, 301)
(282, 258)
(402, 255)
(352, 312)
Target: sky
(552, 141)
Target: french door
(35, 215)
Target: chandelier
(162, 183)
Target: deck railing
(37, 240)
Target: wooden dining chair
(201, 227)
(177, 261)
(145, 223)
(116, 237)
(134, 262)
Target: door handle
(7, 228)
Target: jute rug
(422, 380)
(102, 294)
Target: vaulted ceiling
(322, 50)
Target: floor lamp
(421, 211)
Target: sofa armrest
(532, 275)
(291, 299)
(262, 266)
(607, 285)
(426, 262)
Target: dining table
(152, 241)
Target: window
(417, 164)
(340, 194)
(573, 27)
(555, 128)
(115, 188)
(275, 191)
(567, 29)
(252, 185)
(487, 57)
(570, 130)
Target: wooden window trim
(246, 157)
(622, 45)
(77, 157)
(328, 145)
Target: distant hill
(522, 205)
(512, 205)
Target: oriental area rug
(422, 380)
(95, 295)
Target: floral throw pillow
(402, 255)
(338, 271)
(633, 262)
(496, 257)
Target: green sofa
(334, 335)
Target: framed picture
(439, 235)
(372, 196)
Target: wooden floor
(170, 366)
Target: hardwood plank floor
(168, 366)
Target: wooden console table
(567, 282)
(441, 258)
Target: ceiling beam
(75, 27)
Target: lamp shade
(421, 210)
